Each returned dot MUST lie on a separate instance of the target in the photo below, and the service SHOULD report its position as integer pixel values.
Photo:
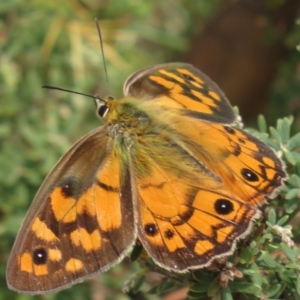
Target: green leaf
(293, 193)
(275, 134)
(226, 293)
(294, 142)
(283, 220)
(153, 290)
(268, 259)
(273, 291)
(253, 248)
(291, 253)
(253, 271)
(262, 124)
(298, 285)
(292, 205)
(195, 295)
(198, 287)
(289, 157)
(245, 287)
(284, 127)
(245, 256)
(213, 288)
(162, 288)
(138, 283)
(136, 252)
(272, 217)
(203, 277)
(294, 180)
(292, 266)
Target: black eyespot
(39, 256)
(169, 234)
(69, 187)
(229, 129)
(103, 110)
(242, 141)
(223, 206)
(249, 175)
(151, 229)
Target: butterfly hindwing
(79, 224)
(185, 216)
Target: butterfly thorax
(128, 118)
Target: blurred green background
(247, 47)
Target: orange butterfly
(166, 168)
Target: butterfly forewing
(80, 223)
(181, 86)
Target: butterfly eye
(103, 110)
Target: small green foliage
(162, 288)
(136, 252)
(134, 283)
(262, 124)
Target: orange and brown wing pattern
(248, 168)
(186, 218)
(77, 225)
(198, 185)
(181, 86)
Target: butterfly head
(103, 105)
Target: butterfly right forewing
(181, 86)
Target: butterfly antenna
(69, 91)
(102, 53)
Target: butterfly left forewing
(80, 222)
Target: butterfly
(167, 168)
